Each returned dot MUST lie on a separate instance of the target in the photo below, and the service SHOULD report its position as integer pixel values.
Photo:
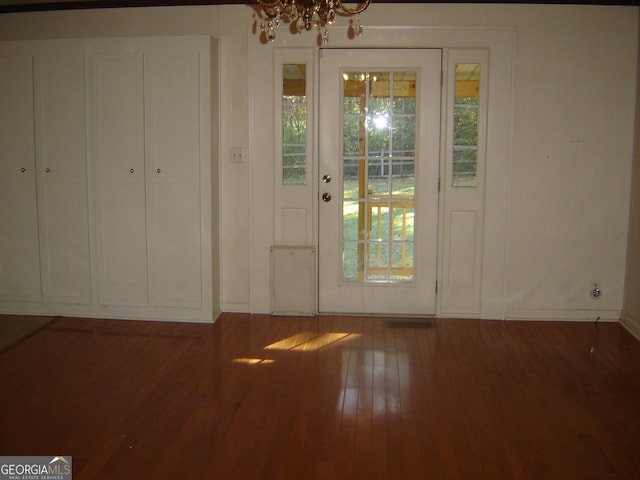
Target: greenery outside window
(294, 125)
(465, 125)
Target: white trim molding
(630, 324)
(569, 315)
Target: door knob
(326, 179)
(326, 197)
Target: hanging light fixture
(307, 15)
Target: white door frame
(499, 41)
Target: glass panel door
(378, 168)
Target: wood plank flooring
(13, 329)
(261, 397)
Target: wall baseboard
(562, 315)
(233, 307)
(630, 324)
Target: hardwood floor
(260, 397)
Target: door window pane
(379, 129)
(350, 214)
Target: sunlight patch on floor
(310, 342)
(253, 361)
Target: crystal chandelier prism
(307, 15)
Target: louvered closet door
(173, 185)
(19, 254)
(117, 126)
(60, 132)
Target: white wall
(575, 90)
(631, 307)
(575, 77)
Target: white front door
(379, 134)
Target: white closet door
(173, 160)
(19, 254)
(62, 177)
(117, 138)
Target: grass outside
(379, 240)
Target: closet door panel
(117, 128)
(175, 248)
(19, 248)
(173, 160)
(60, 133)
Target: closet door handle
(48, 170)
(158, 170)
(22, 170)
(132, 170)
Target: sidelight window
(465, 125)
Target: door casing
(336, 295)
(499, 41)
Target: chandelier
(307, 15)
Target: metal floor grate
(410, 324)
